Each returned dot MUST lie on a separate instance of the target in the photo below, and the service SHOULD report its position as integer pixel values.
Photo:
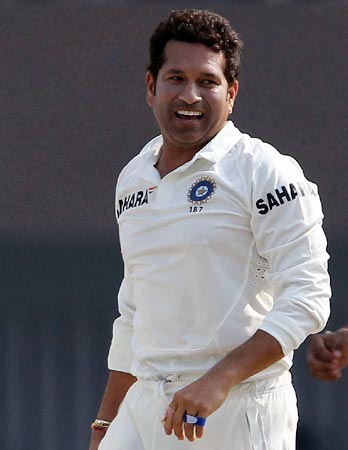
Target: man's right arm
(116, 388)
(119, 361)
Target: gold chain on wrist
(100, 424)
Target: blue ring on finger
(194, 420)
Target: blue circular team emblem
(201, 191)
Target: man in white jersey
(225, 264)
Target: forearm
(253, 356)
(116, 388)
(207, 394)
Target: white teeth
(189, 113)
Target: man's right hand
(97, 436)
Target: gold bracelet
(100, 424)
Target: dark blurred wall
(73, 111)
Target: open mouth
(189, 115)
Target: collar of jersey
(221, 144)
(214, 151)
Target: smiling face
(191, 98)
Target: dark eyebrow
(178, 71)
(202, 74)
(209, 75)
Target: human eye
(208, 82)
(175, 78)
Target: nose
(190, 93)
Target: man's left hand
(200, 398)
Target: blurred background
(73, 112)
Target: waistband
(172, 383)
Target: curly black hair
(197, 26)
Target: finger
(327, 375)
(193, 431)
(322, 346)
(321, 367)
(189, 430)
(341, 340)
(178, 423)
(168, 420)
(199, 431)
(338, 344)
(332, 340)
(344, 335)
(318, 354)
(318, 365)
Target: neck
(170, 160)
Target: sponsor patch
(134, 200)
(284, 194)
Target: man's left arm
(289, 235)
(206, 395)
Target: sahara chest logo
(134, 200)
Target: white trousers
(260, 415)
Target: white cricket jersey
(228, 243)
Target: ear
(150, 88)
(232, 94)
